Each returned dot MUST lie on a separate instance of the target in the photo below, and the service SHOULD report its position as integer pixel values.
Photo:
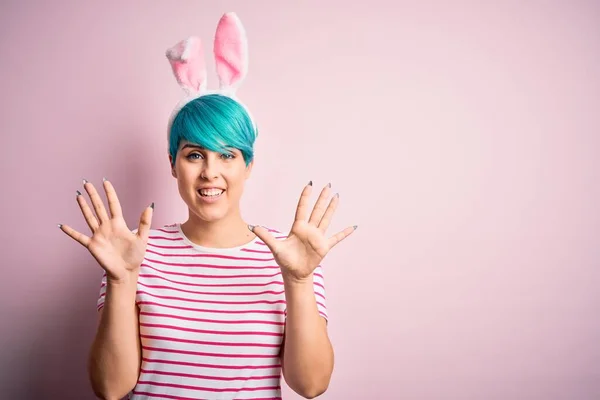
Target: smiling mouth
(210, 193)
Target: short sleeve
(102, 294)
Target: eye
(227, 156)
(192, 156)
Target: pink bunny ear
(231, 51)
(189, 67)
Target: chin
(210, 216)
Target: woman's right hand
(118, 250)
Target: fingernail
(152, 205)
(59, 226)
(103, 179)
(78, 193)
(85, 181)
(251, 227)
(310, 183)
(355, 226)
(329, 185)
(337, 195)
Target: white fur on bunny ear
(231, 52)
(187, 62)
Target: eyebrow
(193, 146)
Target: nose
(210, 168)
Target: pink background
(463, 139)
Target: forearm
(114, 361)
(308, 354)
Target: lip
(212, 199)
(210, 187)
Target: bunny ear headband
(231, 59)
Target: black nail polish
(85, 181)
(355, 227)
(59, 226)
(251, 227)
(337, 195)
(329, 185)
(78, 193)
(152, 205)
(310, 183)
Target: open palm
(118, 250)
(307, 244)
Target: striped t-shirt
(211, 320)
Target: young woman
(213, 308)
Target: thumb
(264, 235)
(145, 223)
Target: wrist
(128, 281)
(291, 280)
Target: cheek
(235, 181)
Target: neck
(227, 232)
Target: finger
(319, 209)
(326, 220)
(89, 216)
(338, 237)
(113, 200)
(96, 202)
(145, 223)
(302, 209)
(264, 235)
(80, 237)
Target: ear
(188, 65)
(231, 52)
(173, 171)
(249, 169)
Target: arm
(115, 356)
(306, 355)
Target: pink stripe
(170, 247)
(168, 396)
(205, 354)
(209, 256)
(228, 267)
(213, 321)
(258, 251)
(166, 231)
(102, 295)
(208, 389)
(211, 301)
(212, 311)
(178, 328)
(213, 293)
(165, 238)
(227, 344)
(212, 276)
(164, 396)
(216, 378)
(189, 364)
(223, 293)
(212, 284)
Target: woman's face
(210, 183)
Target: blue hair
(216, 123)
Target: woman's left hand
(306, 245)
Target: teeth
(211, 192)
